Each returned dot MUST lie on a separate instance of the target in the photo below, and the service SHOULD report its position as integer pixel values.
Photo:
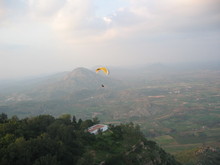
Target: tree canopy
(64, 140)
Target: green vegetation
(64, 140)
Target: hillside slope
(46, 140)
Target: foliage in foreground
(59, 141)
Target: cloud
(175, 15)
(76, 21)
(12, 12)
(2, 12)
(45, 8)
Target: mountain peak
(81, 69)
(80, 72)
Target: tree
(47, 160)
(3, 118)
(95, 120)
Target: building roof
(94, 129)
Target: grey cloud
(126, 18)
(45, 8)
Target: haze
(45, 36)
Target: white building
(95, 128)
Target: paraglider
(105, 70)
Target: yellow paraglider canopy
(104, 69)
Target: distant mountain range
(67, 85)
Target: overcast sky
(45, 36)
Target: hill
(47, 140)
(59, 86)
